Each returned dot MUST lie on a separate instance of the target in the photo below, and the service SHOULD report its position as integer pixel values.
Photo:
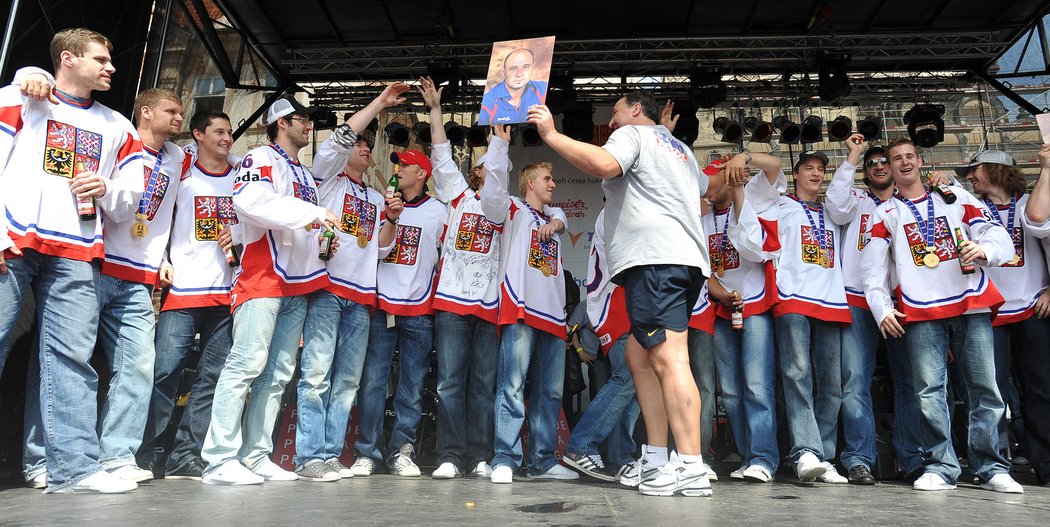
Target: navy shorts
(660, 297)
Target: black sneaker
(192, 469)
(860, 475)
(589, 465)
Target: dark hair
(900, 141)
(649, 107)
(203, 118)
(75, 41)
(271, 129)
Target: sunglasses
(872, 163)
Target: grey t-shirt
(653, 208)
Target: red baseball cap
(412, 157)
(714, 167)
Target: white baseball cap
(997, 157)
(285, 106)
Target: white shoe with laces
(932, 482)
(831, 475)
(635, 472)
(403, 464)
(757, 473)
(271, 472)
(738, 473)
(556, 472)
(502, 474)
(447, 470)
(101, 482)
(363, 467)
(808, 467)
(677, 477)
(132, 473)
(231, 472)
(481, 470)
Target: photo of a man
(517, 80)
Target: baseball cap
(874, 149)
(713, 167)
(479, 162)
(412, 157)
(809, 154)
(988, 156)
(285, 106)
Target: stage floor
(388, 500)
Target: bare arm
(1038, 209)
(586, 157)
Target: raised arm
(495, 198)
(1038, 209)
(841, 201)
(586, 157)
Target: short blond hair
(75, 41)
(150, 98)
(529, 172)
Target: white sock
(655, 455)
(690, 459)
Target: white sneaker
(808, 467)
(931, 481)
(447, 470)
(635, 472)
(831, 475)
(231, 472)
(403, 464)
(556, 472)
(1003, 483)
(481, 470)
(757, 473)
(676, 477)
(738, 473)
(502, 474)
(101, 482)
(38, 482)
(363, 467)
(711, 475)
(132, 473)
(271, 472)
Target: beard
(880, 185)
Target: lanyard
(543, 245)
(875, 199)
(151, 185)
(359, 207)
(308, 194)
(1010, 215)
(724, 249)
(927, 226)
(819, 235)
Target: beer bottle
(945, 192)
(738, 313)
(391, 185)
(233, 254)
(85, 206)
(327, 243)
(967, 268)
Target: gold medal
(139, 230)
(720, 271)
(362, 240)
(1014, 261)
(546, 269)
(931, 260)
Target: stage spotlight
(761, 131)
(840, 128)
(811, 132)
(422, 132)
(561, 97)
(831, 74)
(925, 124)
(455, 133)
(324, 119)
(578, 123)
(870, 127)
(731, 131)
(706, 88)
(688, 127)
(530, 136)
(478, 136)
(396, 134)
(789, 131)
(442, 72)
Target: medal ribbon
(536, 217)
(1010, 215)
(819, 235)
(151, 185)
(724, 249)
(926, 226)
(300, 178)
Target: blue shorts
(660, 297)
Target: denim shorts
(660, 297)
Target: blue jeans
(860, 340)
(611, 414)
(746, 362)
(906, 439)
(467, 352)
(810, 372)
(702, 364)
(175, 331)
(126, 327)
(970, 339)
(335, 338)
(414, 337)
(266, 334)
(65, 393)
(524, 350)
